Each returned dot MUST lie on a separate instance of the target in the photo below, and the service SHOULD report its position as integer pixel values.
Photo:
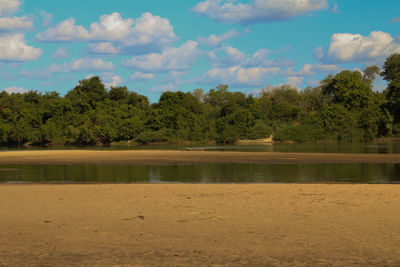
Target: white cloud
(313, 83)
(110, 27)
(149, 33)
(65, 31)
(47, 83)
(15, 23)
(140, 76)
(347, 47)
(335, 8)
(35, 74)
(9, 6)
(150, 29)
(85, 64)
(233, 67)
(175, 58)
(169, 87)
(102, 48)
(311, 70)
(14, 48)
(14, 90)
(238, 76)
(326, 68)
(47, 18)
(295, 81)
(394, 20)
(82, 64)
(318, 53)
(111, 80)
(228, 11)
(232, 57)
(216, 40)
(61, 52)
(307, 70)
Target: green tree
(391, 68)
(370, 74)
(391, 73)
(348, 88)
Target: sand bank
(151, 157)
(173, 225)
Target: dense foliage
(344, 108)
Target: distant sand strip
(156, 157)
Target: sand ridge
(155, 157)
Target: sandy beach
(156, 157)
(200, 225)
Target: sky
(155, 46)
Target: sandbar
(157, 157)
(200, 225)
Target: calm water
(203, 173)
(218, 173)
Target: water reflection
(204, 173)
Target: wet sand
(200, 225)
(156, 157)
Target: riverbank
(277, 225)
(157, 157)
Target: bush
(260, 130)
(300, 133)
(150, 136)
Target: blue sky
(154, 46)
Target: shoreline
(192, 225)
(160, 157)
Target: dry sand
(200, 225)
(155, 157)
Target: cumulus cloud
(174, 58)
(216, 40)
(326, 68)
(35, 74)
(82, 64)
(102, 48)
(47, 18)
(295, 81)
(394, 20)
(335, 8)
(110, 79)
(232, 66)
(228, 11)
(146, 32)
(61, 52)
(85, 64)
(238, 76)
(15, 23)
(14, 90)
(110, 27)
(169, 87)
(230, 56)
(14, 48)
(347, 47)
(307, 70)
(140, 76)
(311, 70)
(8, 6)
(65, 31)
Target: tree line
(342, 108)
